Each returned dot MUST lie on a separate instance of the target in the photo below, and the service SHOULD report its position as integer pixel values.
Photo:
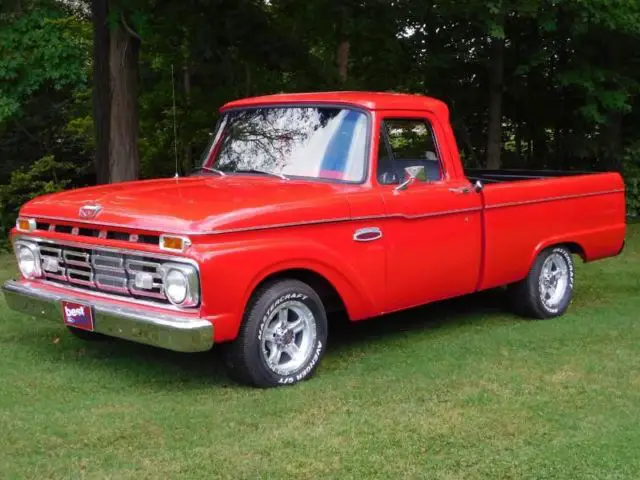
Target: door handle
(477, 187)
(460, 190)
(367, 234)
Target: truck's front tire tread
(243, 357)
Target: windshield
(317, 142)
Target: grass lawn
(461, 389)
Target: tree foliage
(566, 75)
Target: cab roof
(366, 100)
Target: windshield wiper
(262, 172)
(214, 170)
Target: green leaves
(41, 48)
(46, 175)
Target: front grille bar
(104, 270)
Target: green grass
(461, 389)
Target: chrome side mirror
(411, 174)
(478, 186)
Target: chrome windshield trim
(368, 146)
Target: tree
(101, 89)
(124, 160)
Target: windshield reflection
(317, 142)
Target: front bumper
(170, 330)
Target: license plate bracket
(78, 315)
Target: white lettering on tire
(569, 260)
(306, 370)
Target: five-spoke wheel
(547, 290)
(289, 337)
(282, 337)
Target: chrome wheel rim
(288, 337)
(554, 280)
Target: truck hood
(202, 204)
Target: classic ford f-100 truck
(306, 203)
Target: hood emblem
(90, 211)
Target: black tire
(530, 297)
(246, 356)
(86, 335)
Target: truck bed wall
(501, 176)
(523, 218)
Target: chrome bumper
(166, 330)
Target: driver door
(433, 233)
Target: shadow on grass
(178, 371)
(444, 314)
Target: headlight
(181, 284)
(28, 259)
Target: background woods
(86, 89)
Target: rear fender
(592, 244)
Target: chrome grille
(127, 274)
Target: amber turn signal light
(174, 243)
(25, 224)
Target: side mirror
(478, 186)
(411, 174)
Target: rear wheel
(547, 290)
(282, 337)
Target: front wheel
(547, 290)
(282, 337)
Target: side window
(411, 142)
(386, 172)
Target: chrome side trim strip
(553, 199)
(282, 225)
(171, 331)
(321, 221)
(347, 219)
(425, 215)
(342, 219)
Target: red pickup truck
(307, 203)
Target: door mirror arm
(411, 174)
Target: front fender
(231, 271)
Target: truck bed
(500, 176)
(525, 211)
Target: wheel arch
(573, 246)
(326, 290)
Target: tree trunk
(343, 60)
(518, 135)
(496, 79)
(101, 93)
(124, 162)
(342, 36)
(613, 140)
(613, 126)
(539, 148)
